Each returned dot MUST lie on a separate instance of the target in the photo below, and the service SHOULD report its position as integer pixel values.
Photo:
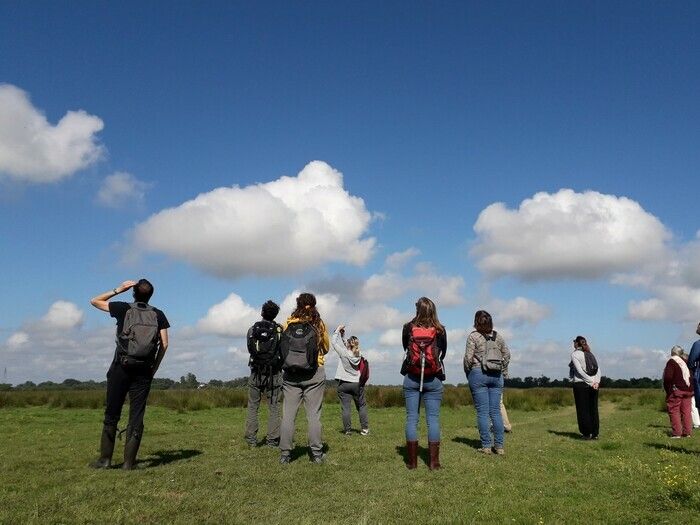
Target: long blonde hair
(354, 345)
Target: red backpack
(364, 371)
(423, 354)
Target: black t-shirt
(118, 309)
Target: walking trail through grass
(195, 467)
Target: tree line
(190, 381)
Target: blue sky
(432, 112)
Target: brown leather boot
(434, 450)
(411, 454)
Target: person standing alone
(265, 363)
(585, 374)
(142, 340)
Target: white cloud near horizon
(62, 315)
(567, 235)
(230, 318)
(121, 189)
(285, 226)
(35, 151)
(519, 311)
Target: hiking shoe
(364, 432)
(498, 451)
(484, 450)
(273, 444)
(318, 460)
(285, 459)
(348, 432)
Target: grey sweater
(348, 364)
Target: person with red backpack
(263, 340)
(425, 344)
(304, 346)
(351, 386)
(486, 361)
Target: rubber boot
(109, 433)
(131, 448)
(412, 454)
(434, 451)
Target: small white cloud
(398, 260)
(568, 235)
(519, 311)
(391, 338)
(33, 150)
(17, 340)
(121, 189)
(280, 227)
(647, 310)
(444, 290)
(230, 318)
(62, 315)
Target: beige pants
(504, 415)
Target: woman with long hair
(425, 343)
(585, 375)
(348, 376)
(304, 377)
(486, 363)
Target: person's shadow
(165, 457)
(474, 443)
(423, 453)
(680, 450)
(570, 435)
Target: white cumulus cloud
(397, 260)
(62, 315)
(287, 225)
(519, 311)
(567, 235)
(34, 150)
(121, 189)
(17, 340)
(230, 318)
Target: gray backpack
(139, 337)
(299, 346)
(492, 360)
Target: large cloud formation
(567, 235)
(33, 150)
(287, 225)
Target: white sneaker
(364, 432)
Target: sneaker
(508, 429)
(686, 435)
(364, 432)
(348, 432)
(499, 451)
(675, 437)
(484, 450)
(273, 444)
(285, 459)
(318, 460)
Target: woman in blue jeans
(485, 383)
(425, 343)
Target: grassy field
(196, 468)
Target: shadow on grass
(680, 450)
(474, 443)
(652, 425)
(423, 454)
(299, 451)
(570, 435)
(165, 457)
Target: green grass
(196, 468)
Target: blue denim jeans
(432, 398)
(486, 391)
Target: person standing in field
(486, 360)
(693, 408)
(142, 340)
(585, 375)
(694, 367)
(263, 340)
(304, 345)
(678, 385)
(425, 344)
(348, 376)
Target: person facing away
(678, 385)
(694, 366)
(142, 340)
(263, 340)
(486, 360)
(585, 375)
(424, 341)
(304, 345)
(348, 376)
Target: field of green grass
(195, 467)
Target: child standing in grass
(348, 376)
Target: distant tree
(4, 387)
(218, 383)
(189, 381)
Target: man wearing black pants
(128, 374)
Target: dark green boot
(131, 448)
(109, 433)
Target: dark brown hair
(306, 309)
(143, 290)
(581, 343)
(483, 323)
(426, 315)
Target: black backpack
(299, 348)
(264, 346)
(138, 340)
(591, 363)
